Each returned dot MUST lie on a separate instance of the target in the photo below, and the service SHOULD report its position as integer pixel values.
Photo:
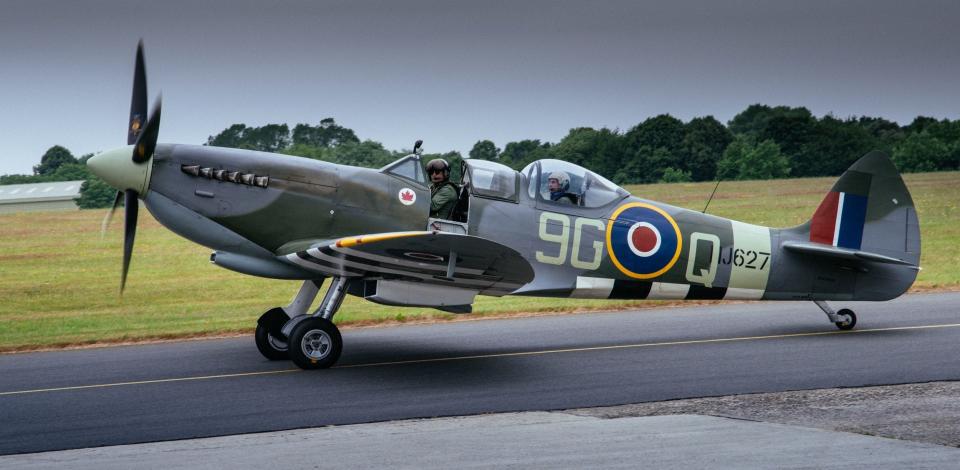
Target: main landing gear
(845, 319)
(310, 341)
(270, 341)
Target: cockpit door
(488, 188)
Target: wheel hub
(277, 344)
(316, 344)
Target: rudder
(869, 208)
(868, 218)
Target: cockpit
(561, 183)
(549, 184)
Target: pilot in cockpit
(558, 183)
(443, 193)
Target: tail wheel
(270, 341)
(849, 319)
(315, 343)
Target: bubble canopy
(582, 187)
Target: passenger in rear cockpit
(558, 183)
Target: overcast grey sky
(452, 73)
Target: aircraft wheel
(270, 341)
(315, 343)
(850, 319)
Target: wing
(478, 264)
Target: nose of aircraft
(118, 169)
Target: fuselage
(261, 205)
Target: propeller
(147, 140)
(138, 102)
(131, 207)
(142, 134)
(109, 216)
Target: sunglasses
(432, 171)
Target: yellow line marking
(491, 356)
(379, 237)
(157, 381)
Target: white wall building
(54, 196)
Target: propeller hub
(118, 169)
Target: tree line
(761, 142)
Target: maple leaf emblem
(406, 196)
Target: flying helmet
(561, 178)
(439, 164)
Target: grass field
(59, 280)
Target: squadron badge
(643, 241)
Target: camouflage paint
(629, 248)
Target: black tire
(315, 343)
(270, 341)
(850, 322)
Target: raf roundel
(407, 196)
(643, 241)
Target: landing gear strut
(310, 341)
(845, 319)
(271, 341)
(315, 342)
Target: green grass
(59, 280)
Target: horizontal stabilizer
(819, 249)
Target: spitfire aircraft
(369, 232)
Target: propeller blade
(131, 206)
(138, 102)
(147, 142)
(109, 216)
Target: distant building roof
(35, 192)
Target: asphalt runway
(133, 394)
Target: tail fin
(869, 209)
(863, 241)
